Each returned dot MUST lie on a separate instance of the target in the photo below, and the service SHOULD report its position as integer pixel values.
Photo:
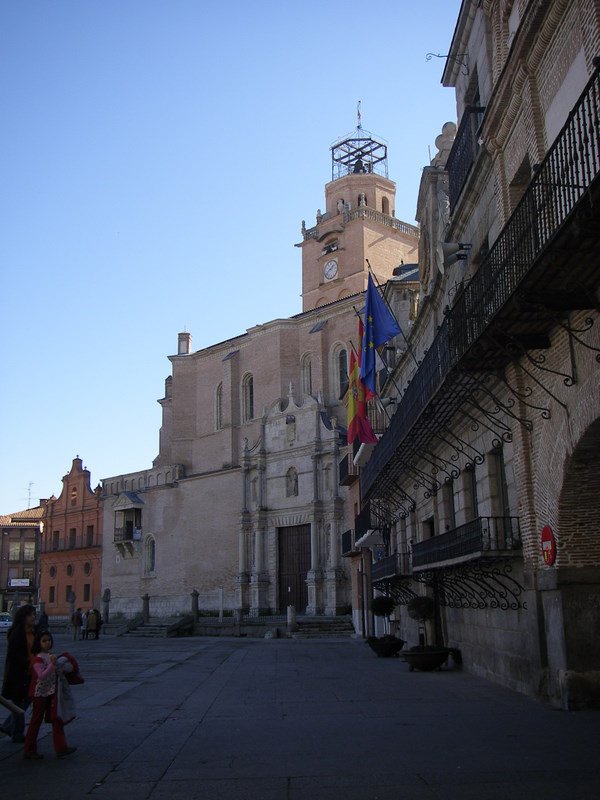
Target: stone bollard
(146, 608)
(105, 605)
(292, 625)
(195, 596)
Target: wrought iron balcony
(347, 543)
(482, 537)
(464, 152)
(511, 303)
(369, 519)
(347, 471)
(390, 566)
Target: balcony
(548, 254)
(464, 152)
(347, 543)
(369, 520)
(127, 534)
(348, 473)
(397, 564)
(481, 538)
(468, 567)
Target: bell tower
(358, 224)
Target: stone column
(314, 576)
(259, 582)
(195, 596)
(334, 574)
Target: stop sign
(548, 545)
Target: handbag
(73, 676)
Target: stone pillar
(314, 545)
(292, 624)
(315, 465)
(242, 591)
(195, 595)
(146, 607)
(259, 582)
(106, 605)
(314, 576)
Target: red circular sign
(548, 545)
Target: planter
(426, 659)
(385, 646)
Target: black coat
(16, 668)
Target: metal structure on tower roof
(359, 152)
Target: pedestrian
(84, 622)
(99, 622)
(76, 620)
(17, 670)
(43, 690)
(92, 625)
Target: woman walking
(17, 669)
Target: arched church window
(340, 371)
(247, 398)
(219, 407)
(306, 375)
(149, 556)
(385, 206)
(291, 483)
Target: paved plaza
(243, 719)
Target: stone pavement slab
(216, 718)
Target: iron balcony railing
(348, 473)
(347, 543)
(464, 152)
(390, 566)
(563, 178)
(127, 534)
(482, 536)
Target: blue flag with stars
(380, 327)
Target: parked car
(5, 620)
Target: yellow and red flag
(359, 426)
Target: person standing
(84, 621)
(92, 622)
(76, 621)
(43, 691)
(17, 670)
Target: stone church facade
(243, 503)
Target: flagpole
(390, 309)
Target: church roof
(408, 273)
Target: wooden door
(294, 563)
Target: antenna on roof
(358, 116)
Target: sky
(157, 159)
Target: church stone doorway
(294, 563)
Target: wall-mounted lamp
(454, 251)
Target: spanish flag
(358, 424)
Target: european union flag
(380, 327)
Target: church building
(243, 503)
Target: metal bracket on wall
(477, 585)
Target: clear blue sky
(157, 159)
